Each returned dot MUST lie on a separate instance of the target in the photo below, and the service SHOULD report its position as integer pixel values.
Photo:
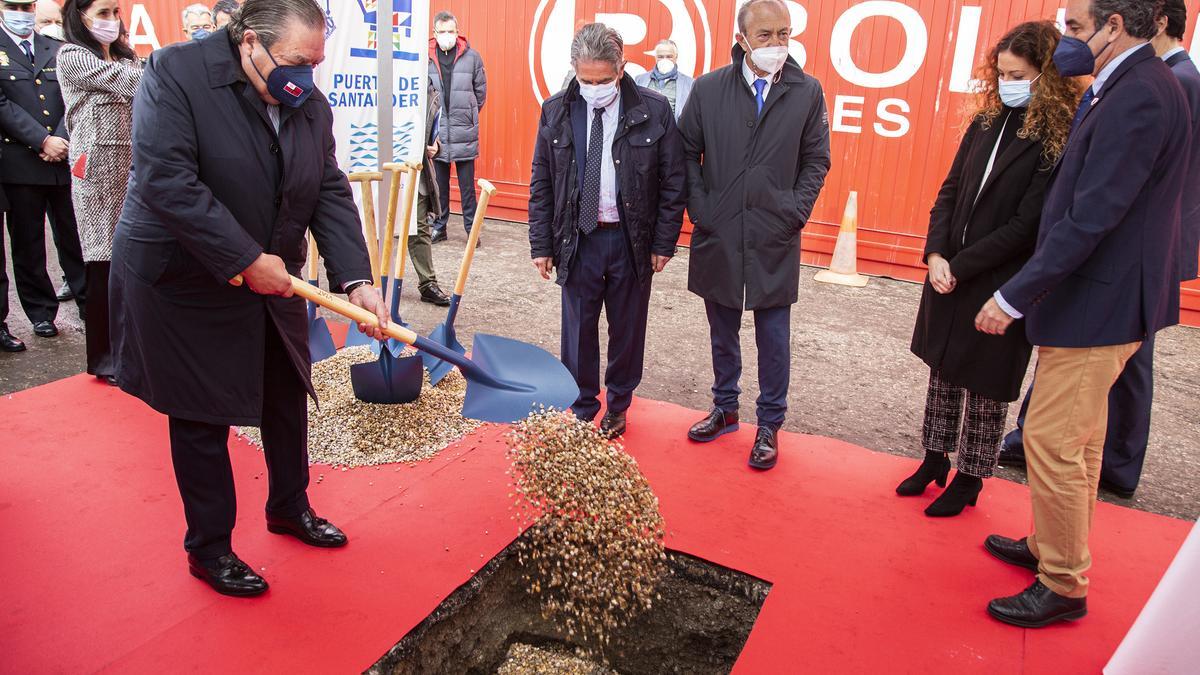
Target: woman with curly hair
(982, 229)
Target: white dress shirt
(751, 78)
(608, 171)
(1101, 79)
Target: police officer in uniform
(35, 174)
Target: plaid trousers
(976, 438)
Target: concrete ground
(853, 377)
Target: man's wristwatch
(350, 287)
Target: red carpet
(94, 577)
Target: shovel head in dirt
(388, 380)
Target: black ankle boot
(963, 490)
(935, 468)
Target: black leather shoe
(765, 452)
(228, 575)
(65, 293)
(934, 469)
(309, 528)
(717, 424)
(1012, 551)
(1110, 487)
(963, 490)
(1012, 451)
(110, 380)
(612, 425)
(434, 296)
(1037, 606)
(438, 236)
(45, 329)
(9, 342)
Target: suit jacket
(31, 108)
(1106, 268)
(987, 232)
(213, 187)
(1189, 77)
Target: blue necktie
(759, 85)
(28, 48)
(1084, 104)
(589, 201)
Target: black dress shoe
(1113, 488)
(1037, 606)
(717, 424)
(612, 425)
(963, 490)
(438, 235)
(1012, 451)
(765, 452)
(45, 329)
(228, 575)
(433, 295)
(65, 293)
(9, 342)
(309, 528)
(934, 469)
(1012, 551)
(110, 380)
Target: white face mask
(769, 59)
(55, 31)
(1017, 93)
(446, 41)
(599, 95)
(105, 31)
(666, 66)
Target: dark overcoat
(987, 240)
(1189, 78)
(752, 183)
(31, 108)
(1106, 267)
(648, 157)
(212, 188)
(459, 130)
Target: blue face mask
(200, 34)
(1074, 57)
(20, 23)
(290, 85)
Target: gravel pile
(525, 659)
(594, 553)
(346, 432)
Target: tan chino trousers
(1064, 445)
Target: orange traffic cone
(843, 269)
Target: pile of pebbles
(523, 659)
(594, 552)
(346, 432)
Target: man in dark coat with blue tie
(605, 209)
(756, 135)
(1103, 280)
(233, 162)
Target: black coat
(212, 188)
(648, 155)
(752, 183)
(1189, 78)
(986, 240)
(31, 108)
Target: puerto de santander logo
(554, 25)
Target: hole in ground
(699, 626)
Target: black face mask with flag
(290, 85)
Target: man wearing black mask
(228, 176)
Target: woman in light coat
(99, 73)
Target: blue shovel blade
(518, 378)
(320, 342)
(357, 338)
(388, 380)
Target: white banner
(349, 78)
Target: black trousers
(602, 276)
(466, 189)
(29, 206)
(203, 471)
(773, 337)
(100, 360)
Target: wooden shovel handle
(313, 267)
(410, 197)
(389, 230)
(353, 312)
(366, 180)
(486, 190)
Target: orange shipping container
(896, 77)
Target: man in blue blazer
(1103, 279)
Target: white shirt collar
(1112, 67)
(1173, 52)
(17, 40)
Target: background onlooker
(223, 11)
(100, 74)
(429, 205)
(457, 74)
(198, 22)
(665, 78)
(48, 19)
